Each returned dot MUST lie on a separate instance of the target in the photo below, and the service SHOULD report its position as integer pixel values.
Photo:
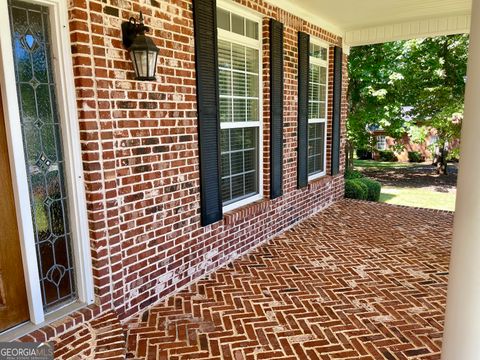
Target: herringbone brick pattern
(356, 281)
(101, 338)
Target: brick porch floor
(356, 281)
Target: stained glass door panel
(42, 142)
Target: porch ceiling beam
(419, 28)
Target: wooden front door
(13, 297)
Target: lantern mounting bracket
(132, 28)
(141, 48)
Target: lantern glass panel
(152, 63)
(134, 60)
(140, 61)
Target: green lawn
(418, 197)
(381, 164)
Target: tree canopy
(428, 75)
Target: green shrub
(353, 174)
(387, 155)
(356, 189)
(373, 188)
(364, 154)
(454, 155)
(415, 156)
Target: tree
(375, 79)
(426, 74)
(437, 70)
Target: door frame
(66, 98)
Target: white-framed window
(317, 109)
(240, 92)
(43, 138)
(381, 143)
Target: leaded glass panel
(42, 141)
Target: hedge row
(362, 188)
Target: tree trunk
(348, 156)
(441, 162)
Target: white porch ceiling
(372, 21)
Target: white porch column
(461, 339)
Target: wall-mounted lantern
(143, 51)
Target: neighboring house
(120, 188)
(428, 149)
(384, 142)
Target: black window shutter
(205, 28)
(302, 127)
(276, 108)
(337, 108)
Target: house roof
(375, 21)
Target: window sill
(246, 212)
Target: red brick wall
(140, 154)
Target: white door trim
(66, 98)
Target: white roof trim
(288, 6)
(446, 25)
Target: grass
(418, 197)
(424, 197)
(381, 164)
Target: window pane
(239, 84)
(236, 139)
(250, 183)
(224, 54)
(318, 52)
(239, 110)
(252, 110)
(243, 86)
(252, 29)
(313, 112)
(314, 73)
(316, 148)
(226, 195)
(242, 170)
(223, 19)
(252, 60)
(225, 109)
(237, 162)
(314, 92)
(238, 57)
(237, 186)
(225, 164)
(323, 92)
(225, 82)
(250, 160)
(238, 25)
(322, 108)
(252, 85)
(323, 53)
(381, 142)
(250, 138)
(323, 75)
(224, 141)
